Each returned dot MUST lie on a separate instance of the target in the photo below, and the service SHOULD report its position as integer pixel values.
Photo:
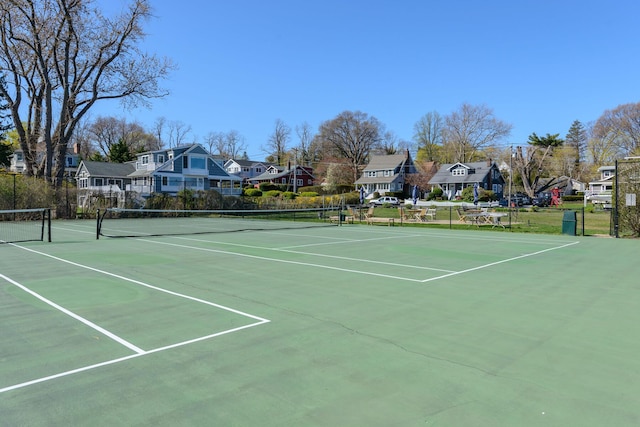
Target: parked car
(542, 200)
(385, 200)
(518, 199)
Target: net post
(48, 214)
(97, 224)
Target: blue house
(167, 171)
(186, 167)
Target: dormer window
(459, 172)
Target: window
(198, 163)
(387, 173)
(459, 172)
(144, 160)
(185, 162)
(245, 169)
(165, 181)
(258, 170)
(300, 182)
(97, 182)
(371, 174)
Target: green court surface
(351, 325)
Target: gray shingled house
(452, 178)
(386, 174)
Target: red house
(293, 178)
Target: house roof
(267, 176)
(480, 171)
(108, 169)
(247, 163)
(385, 162)
(378, 179)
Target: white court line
(138, 282)
(138, 352)
(284, 261)
(75, 316)
(349, 241)
(122, 359)
(480, 267)
(392, 264)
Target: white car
(385, 200)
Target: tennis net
(115, 222)
(25, 225)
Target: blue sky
(243, 64)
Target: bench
(346, 218)
(372, 219)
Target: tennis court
(349, 325)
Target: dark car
(542, 200)
(518, 199)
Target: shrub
(344, 188)
(290, 195)
(252, 192)
(309, 194)
(272, 193)
(352, 198)
(436, 193)
(311, 189)
(267, 186)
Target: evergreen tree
(577, 139)
(120, 153)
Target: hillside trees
(62, 57)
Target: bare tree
(601, 147)
(531, 162)
(471, 129)
(236, 144)
(620, 128)
(428, 136)
(215, 142)
(158, 130)
(178, 132)
(63, 56)
(351, 136)
(104, 132)
(388, 144)
(303, 150)
(278, 141)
